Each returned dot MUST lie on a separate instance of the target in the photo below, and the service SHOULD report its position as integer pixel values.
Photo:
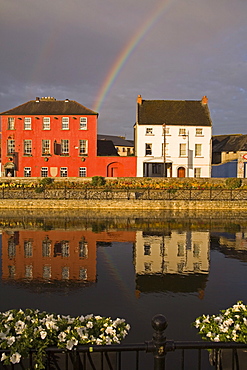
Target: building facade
(56, 138)
(173, 138)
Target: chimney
(37, 99)
(204, 100)
(139, 99)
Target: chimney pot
(204, 100)
(139, 99)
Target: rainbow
(125, 53)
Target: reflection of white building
(177, 253)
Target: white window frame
(11, 123)
(65, 123)
(182, 150)
(148, 149)
(83, 172)
(197, 172)
(198, 150)
(83, 123)
(182, 132)
(167, 149)
(27, 123)
(63, 171)
(199, 131)
(10, 146)
(46, 147)
(64, 147)
(46, 123)
(83, 147)
(27, 147)
(44, 172)
(27, 172)
(149, 131)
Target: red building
(56, 138)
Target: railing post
(159, 324)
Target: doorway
(181, 172)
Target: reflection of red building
(54, 138)
(55, 254)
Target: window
(46, 123)
(83, 172)
(156, 168)
(83, 273)
(147, 249)
(149, 131)
(27, 147)
(167, 150)
(199, 132)
(65, 248)
(182, 132)
(180, 251)
(11, 123)
(83, 248)
(148, 149)
(28, 248)
(182, 150)
(167, 130)
(64, 172)
(46, 272)
(65, 123)
(11, 271)
(10, 146)
(44, 172)
(46, 247)
(198, 150)
(83, 123)
(27, 123)
(27, 171)
(82, 147)
(28, 272)
(65, 147)
(197, 172)
(65, 273)
(11, 247)
(46, 147)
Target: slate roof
(173, 112)
(106, 148)
(117, 140)
(45, 106)
(229, 143)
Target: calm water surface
(128, 267)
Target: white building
(183, 127)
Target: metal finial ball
(159, 322)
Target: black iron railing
(157, 354)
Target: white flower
(15, 358)
(209, 334)
(43, 334)
(3, 357)
(70, 343)
(110, 330)
(20, 327)
(216, 339)
(89, 324)
(62, 336)
(10, 340)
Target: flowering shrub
(229, 326)
(21, 331)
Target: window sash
(198, 150)
(44, 171)
(27, 147)
(64, 172)
(10, 146)
(11, 123)
(148, 149)
(83, 150)
(46, 123)
(83, 172)
(27, 171)
(65, 146)
(65, 123)
(182, 150)
(182, 132)
(83, 123)
(199, 131)
(27, 123)
(197, 172)
(149, 131)
(46, 147)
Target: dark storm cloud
(66, 49)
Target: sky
(104, 53)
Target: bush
(233, 182)
(46, 181)
(98, 181)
